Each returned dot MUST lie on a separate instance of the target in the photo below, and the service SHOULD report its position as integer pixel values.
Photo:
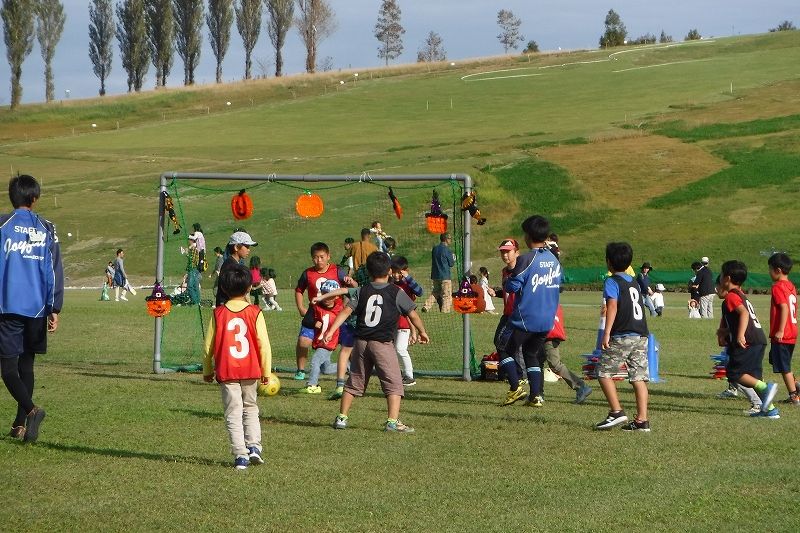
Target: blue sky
(468, 29)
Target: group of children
(375, 323)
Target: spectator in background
(694, 291)
(643, 279)
(347, 258)
(704, 279)
(359, 252)
(442, 260)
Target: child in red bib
(783, 322)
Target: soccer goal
(348, 204)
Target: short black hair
(218, 249)
(264, 271)
(319, 247)
(23, 191)
(736, 270)
(272, 273)
(780, 261)
(119, 250)
(399, 262)
(197, 227)
(537, 228)
(364, 232)
(235, 280)
(349, 240)
(255, 261)
(378, 265)
(473, 279)
(444, 236)
(619, 256)
(696, 265)
(390, 243)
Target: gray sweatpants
(320, 363)
(553, 358)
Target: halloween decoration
(309, 205)
(470, 203)
(242, 206)
(158, 303)
(436, 219)
(465, 300)
(169, 207)
(398, 210)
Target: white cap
(704, 260)
(240, 237)
(660, 287)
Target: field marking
(506, 77)
(664, 64)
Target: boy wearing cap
(704, 280)
(643, 279)
(658, 298)
(238, 250)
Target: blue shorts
(347, 336)
(780, 357)
(306, 332)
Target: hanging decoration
(469, 202)
(169, 208)
(242, 205)
(465, 300)
(436, 219)
(158, 303)
(398, 209)
(309, 205)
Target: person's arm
(58, 287)
(783, 317)
(302, 284)
(741, 328)
(264, 348)
(416, 321)
(343, 315)
(122, 269)
(412, 284)
(208, 359)
(327, 296)
(611, 315)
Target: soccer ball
(270, 389)
(328, 286)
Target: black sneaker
(32, 422)
(409, 382)
(614, 418)
(636, 425)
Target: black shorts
(780, 357)
(745, 361)
(308, 318)
(22, 334)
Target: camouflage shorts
(629, 350)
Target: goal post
(464, 182)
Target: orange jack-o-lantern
(309, 205)
(158, 303)
(466, 300)
(242, 206)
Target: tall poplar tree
(280, 16)
(219, 20)
(161, 37)
(389, 31)
(18, 17)
(315, 22)
(50, 20)
(509, 36)
(188, 23)
(248, 22)
(132, 38)
(101, 33)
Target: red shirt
(323, 318)
(403, 322)
(236, 350)
(311, 279)
(558, 332)
(508, 296)
(255, 272)
(783, 292)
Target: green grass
(122, 448)
(678, 129)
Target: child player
(624, 340)
(310, 280)
(406, 334)
(238, 354)
(325, 311)
(744, 337)
(377, 307)
(783, 322)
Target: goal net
(284, 238)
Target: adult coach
(704, 280)
(442, 260)
(29, 309)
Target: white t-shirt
(199, 240)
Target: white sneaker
(122, 298)
(116, 299)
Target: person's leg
(387, 368)
(437, 292)
(231, 392)
(609, 389)
(533, 355)
(401, 344)
(26, 374)
(648, 303)
(301, 354)
(9, 370)
(428, 303)
(447, 295)
(635, 350)
(393, 406)
(608, 366)
(317, 360)
(360, 370)
(116, 293)
(640, 391)
(252, 426)
(553, 357)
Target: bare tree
(50, 20)
(18, 16)
(132, 38)
(280, 16)
(188, 16)
(101, 32)
(161, 36)
(432, 49)
(248, 22)
(315, 22)
(509, 36)
(219, 20)
(389, 31)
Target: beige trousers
(241, 415)
(442, 293)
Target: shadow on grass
(150, 377)
(128, 454)
(704, 377)
(509, 414)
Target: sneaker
(312, 389)
(299, 375)
(772, 413)
(337, 393)
(514, 395)
(17, 432)
(767, 395)
(397, 427)
(582, 393)
(32, 422)
(730, 392)
(613, 419)
(754, 408)
(340, 422)
(241, 462)
(537, 401)
(409, 382)
(636, 425)
(255, 456)
(123, 298)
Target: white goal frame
(168, 177)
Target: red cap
(509, 244)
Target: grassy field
(685, 151)
(123, 449)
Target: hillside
(684, 150)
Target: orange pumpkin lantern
(242, 206)
(466, 300)
(309, 205)
(158, 303)
(436, 219)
